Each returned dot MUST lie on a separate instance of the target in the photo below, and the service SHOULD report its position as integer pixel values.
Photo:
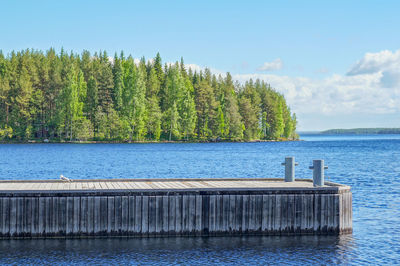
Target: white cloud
(376, 62)
(271, 66)
(371, 86)
(336, 94)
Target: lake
(368, 163)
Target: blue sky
(336, 62)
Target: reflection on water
(181, 250)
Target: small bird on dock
(63, 178)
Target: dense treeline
(66, 96)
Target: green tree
(118, 74)
(134, 105)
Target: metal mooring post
(318, 172)
(289, 168)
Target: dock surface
(172, 207)
(159, 184)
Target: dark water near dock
(370, 164)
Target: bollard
(289, 168)
(318, 172)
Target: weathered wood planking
(277, 211)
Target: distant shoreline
(359, 131)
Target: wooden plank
(111, 215)
(271, 212)
(344, 204)
(205, 214)
(258, 211)
(131, 214)
(302, 224)
(299, 210)
(125, 185)
(138, 214)
(125, 214)
(252, 213)
(165, 214)
(90, 220)
(245, 217)
(192, 213)
(42, 216)
(158, 215)
(324, 213)
(62, 215)
(350, 206)
(152, 214)
(225, 213)
(70, 215)
(20, 217)
(49, 228)
(212, 214)
(331, 213)
(171, 214)
(345, 210)
(291, 214)
(232, 213)
(218, 213)
(284, 213)
(341, 208)
(198, 213)
(96, 215)
(185, 214)
(103, 215)
(35, 216)
(145, 214)
(1, 218)
(238, 213)
(118, 214)
(55, 215)
(5, 216)
(265, 212)
(310, 217)
(28, 216)
(348, 210)
(277, 213)
(317, 213)
(178, 214)
(83, 225)
(77, 213)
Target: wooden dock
(172, 207)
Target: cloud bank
(271, 66)
(371, 86)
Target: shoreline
(143, 142)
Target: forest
(64, 96)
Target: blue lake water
(369, 163)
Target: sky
(336, 62)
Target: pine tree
(158, 68)
(233, 119)
(118, 73)
(188, 115)
(92, 102)
(153, 122)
